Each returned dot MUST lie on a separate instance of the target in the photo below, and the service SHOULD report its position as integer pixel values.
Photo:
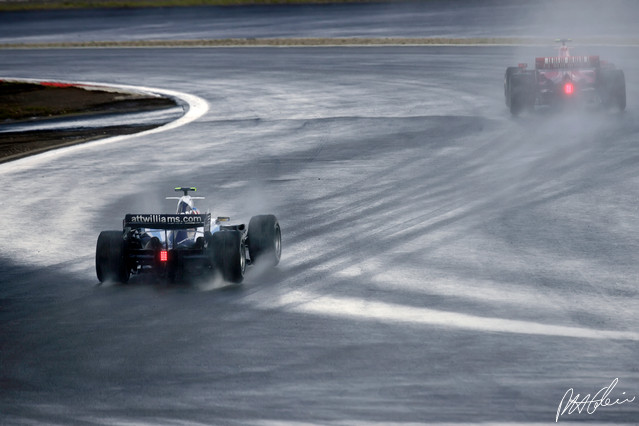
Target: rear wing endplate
(168, 221)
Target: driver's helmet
(185, 207)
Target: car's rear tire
(614, 89)
(509, 72)
(265, 239)
(110, 257)
(229, 255)
(521, 94)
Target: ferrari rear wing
(168, 221)
(556, 62)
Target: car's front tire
(265, 239)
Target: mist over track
(442, 261)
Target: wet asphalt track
(442, 261)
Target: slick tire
(619, 90)
(614, 89)
(521, 92)
(110, 260)
(265, 240)
(509, 72)
(229, 255)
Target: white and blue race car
(174, 246)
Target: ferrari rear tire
(509, 72)
(520, 92)
(614, 89)
(229, 255)
(265, 239)
(110, 261)
(619, 94)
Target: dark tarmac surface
(442, 261)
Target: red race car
(558, 81)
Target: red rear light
(569, 88)
(164, 256)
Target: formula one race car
(172, 245)
(564, 80)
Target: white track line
(355, 308)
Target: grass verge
(314, 42)
(23, 101)
(28, 101)
(16, 5)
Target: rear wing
(168, 221)
(557, 62)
